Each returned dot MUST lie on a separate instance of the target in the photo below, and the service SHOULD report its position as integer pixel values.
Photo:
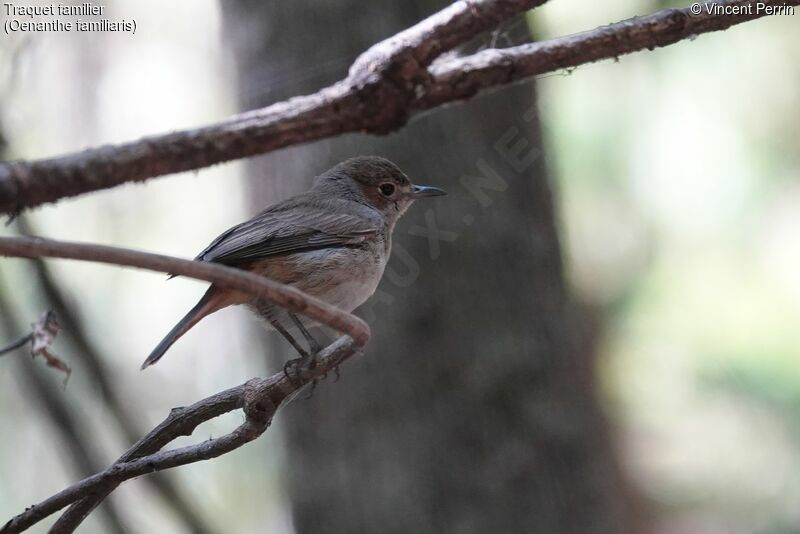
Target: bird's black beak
(422, 191)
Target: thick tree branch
(385, 87)
(462, 78)
(417, 47)
(259, 398)
(375, 97)
(259, 286)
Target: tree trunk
(473, 408)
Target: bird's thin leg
(285, 333)
(313, 344)
(294, 362)
(315, 347)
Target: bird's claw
(313, 387)
(293, 368)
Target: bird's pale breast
(343, 276)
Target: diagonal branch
(259, 286)
(462, 78)
(14, 345)
(386, 86)
(259, 398)
(374, 97)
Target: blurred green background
(680, 202)
(678, 180)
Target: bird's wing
(287, 231)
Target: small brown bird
(332, 242)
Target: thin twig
(43, 333)
(386, 86)
(228, 277)
(258, 398)
(16, 344)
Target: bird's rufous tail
(213, 300)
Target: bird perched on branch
(331, 242)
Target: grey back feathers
(334, 213)
(303, 223)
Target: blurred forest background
(664, 398)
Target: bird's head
(377, 182)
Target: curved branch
(259, 286)
(387, 85)
(259, 398)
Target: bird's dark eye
(386, 189)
